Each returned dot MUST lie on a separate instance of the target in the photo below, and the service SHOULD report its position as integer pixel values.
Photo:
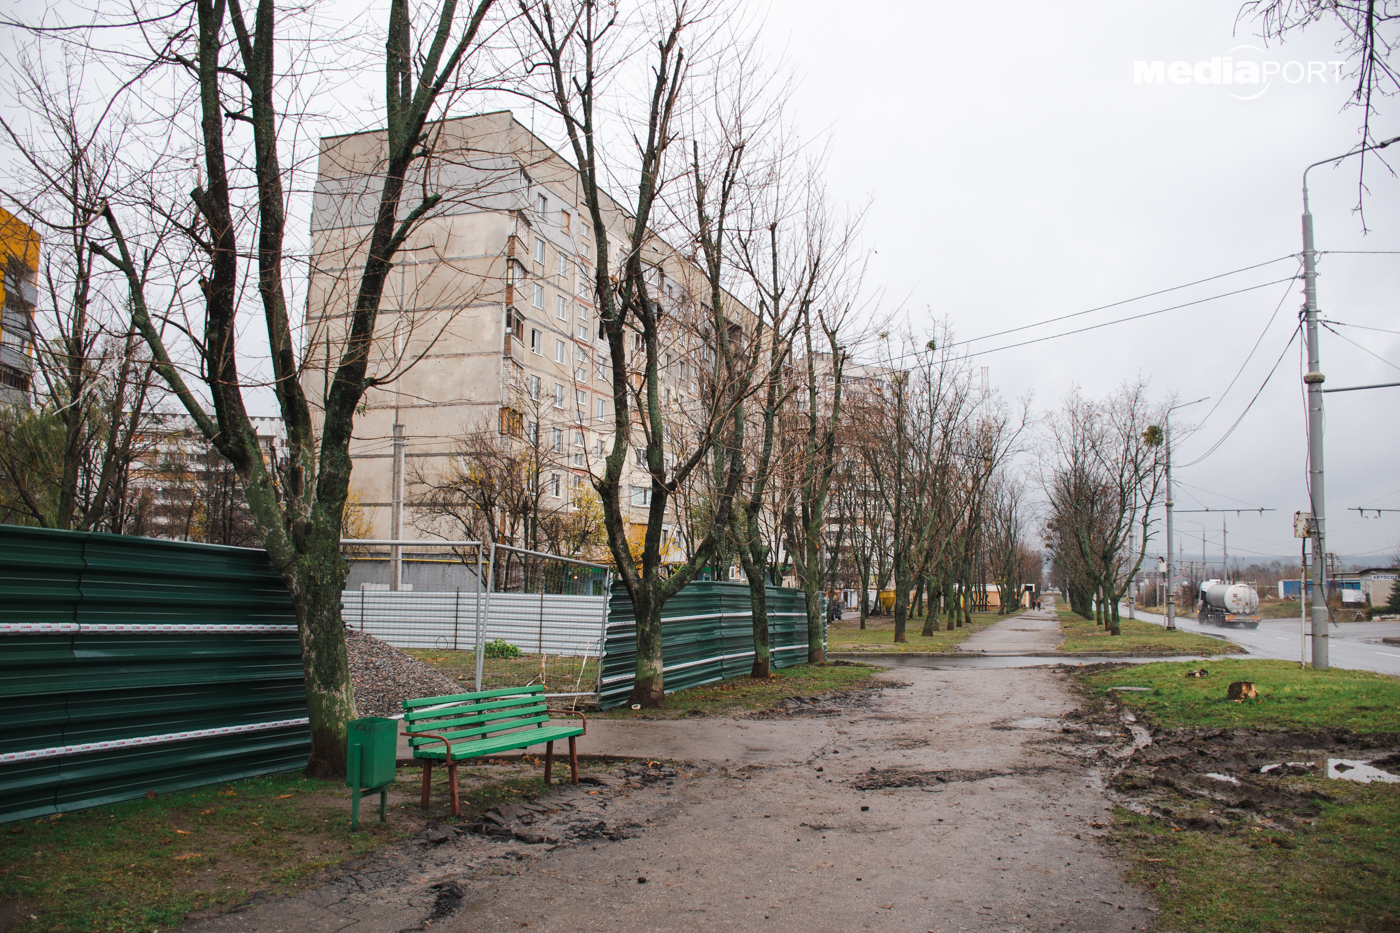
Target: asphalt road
(1352, 645)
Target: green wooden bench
(449, 729)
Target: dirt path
(1032, 632)
(951, 803)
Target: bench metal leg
(548, 762)
(573, 759)
(452, 781)
(427, 782)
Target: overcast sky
(1018, 173)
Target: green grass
(1137, 637)
(146, 864)
(1290, 698)
(878, 635)
(1340, 873)
(744, 693)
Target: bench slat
(503, 728)
(481, 695)
(451, 708)
(500, 743)
(466, 716)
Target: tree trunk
(758, 603)
(930, 609)
(319, 578)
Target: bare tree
(235, 72)
(1102, 486)
(577, 48)
(1369, 35)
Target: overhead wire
(1134, 317)
(1252, 351)
(1216, 446)
(1125, 301)
(1363, 349)
(1381, 330)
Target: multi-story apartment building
(488, 324)
(20, 247)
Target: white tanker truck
(1228, 604)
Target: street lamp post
(1171, 566)
(1313, 379)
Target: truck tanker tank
(1229, 604)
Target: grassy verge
(1141, 638)
(1270, 871)
(149, 864)
(745, 693)
(1290, 698)
(878, 635)
(1343, 873)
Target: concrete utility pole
(1313, 380)
(396, 512)
(1171, 567)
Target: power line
(1272, 370)
(1135, 317)
(1252, 351)
(1380, 330)
(1363, 349)
(1164, 291)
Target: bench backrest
(475, 715)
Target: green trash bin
(371, 747)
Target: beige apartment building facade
(488, 322)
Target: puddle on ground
(1350, 769)
(1345, 769)
(1029, 722)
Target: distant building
(1373, 583)
(20, 246)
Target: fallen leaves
(187, 856)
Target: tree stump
(1242, 690)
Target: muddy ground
(947, 801)
(951, 800)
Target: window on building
(558, 350)
(554, 485)
(535, 341)
(581, 403)
(578, 450)
(581, 367)
(558, 395)
(544, 205)
(539, 250)
(535, 388)
(563, 265)
(561, 308)
(538, 298)
(639, 454)
(558, 440)
(534, 434)
(583, 332)
(602, 409)
(641, 495)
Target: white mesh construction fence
(518, 616)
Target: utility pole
(1171, 567)
(1313, 379)
(396, 512)
(1224, 549)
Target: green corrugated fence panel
(707, 636)
(92, 711)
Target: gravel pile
(384, 676)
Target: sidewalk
(1032, 632)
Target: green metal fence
(707, 636)
(130, 665)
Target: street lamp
(1171, 567)
(1313, 380)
